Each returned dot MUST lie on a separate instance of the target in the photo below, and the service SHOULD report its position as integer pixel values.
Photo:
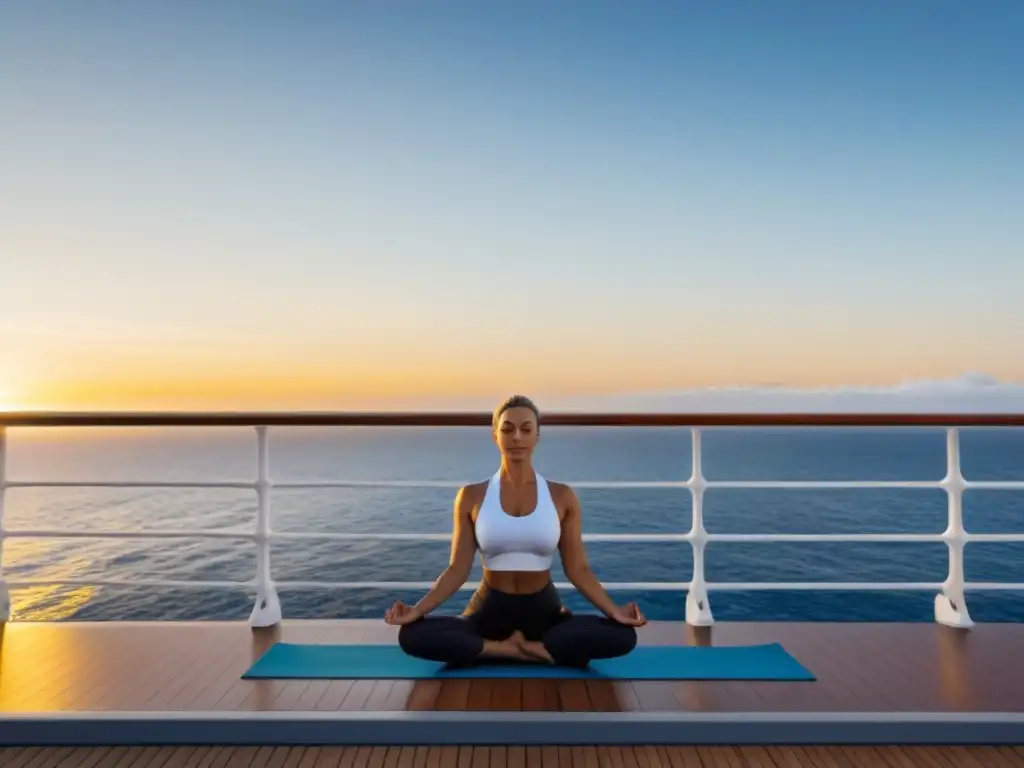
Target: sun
(7, 402)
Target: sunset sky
(376, 204)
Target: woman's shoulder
(561, 492)
(473, 493)
(469, 499)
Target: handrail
(950, 603)
(478, 419)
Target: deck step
(506, 728)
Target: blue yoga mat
(645, 662)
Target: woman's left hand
(629, 614)
(401, 614)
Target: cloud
(968, 393)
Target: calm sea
(465, 455)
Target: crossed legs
(567, 641)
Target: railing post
(698, 608)
(5, 594)
(951, 604)
(267, 610)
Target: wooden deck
(644, 756)
(67, 670)
(198, 667)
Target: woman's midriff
(517, 582)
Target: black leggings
(493, 615)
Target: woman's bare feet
(516, 646)
(505, 649)
(532, 649)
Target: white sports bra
(525, 543)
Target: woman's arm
(574, 555)
(460, 562)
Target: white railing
(950, 602)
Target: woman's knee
(443, 639)
(612, 639)
(409, 637)
(579, 640)
(624, 638)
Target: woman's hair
(516, 401)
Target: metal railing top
(481, 419)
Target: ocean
(466, 455)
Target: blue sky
(365, 195)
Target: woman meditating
(517, 520)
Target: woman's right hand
(629, 614)
(400, 614)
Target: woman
(517, 520)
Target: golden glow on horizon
(9, 401)
(417, 388)
(409, 373)
(14, 365)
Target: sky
(366, 205)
